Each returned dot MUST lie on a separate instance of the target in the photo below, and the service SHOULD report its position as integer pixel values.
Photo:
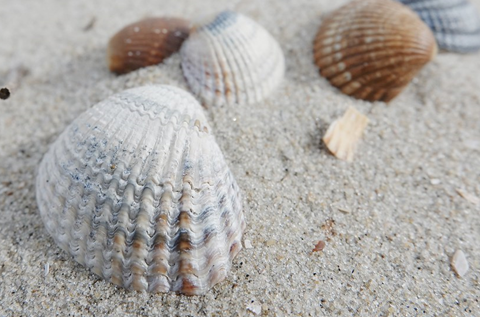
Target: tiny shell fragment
(319, 246)
(459, 263)
(343, 134)
(146, 42)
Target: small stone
(248, 244)
(255, 308)
(459, 263)
(46, 269)
(4, 93)
(435, 181)
(270, 242)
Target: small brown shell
(371, 49)
(146, 42)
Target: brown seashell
(146, 42)
(371, 49)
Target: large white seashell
(137, 190)
(455, 23)
(232, 60)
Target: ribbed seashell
(137, 190)
(145, 42)
(371, 49)
(232, 60)
(455, 23)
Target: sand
(391, 220)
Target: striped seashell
(137, 190)
(145, 42)
(371, 49)
(232, 60)
(455, 23)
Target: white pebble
(255, 308)
(47, 269)
(248, 244)
(459, 263)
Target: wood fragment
(344, 134)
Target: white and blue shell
(232, 60)
(137, 190)
(455, 23)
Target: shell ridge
(174, 119)
(230, 68)
(244, 79)
(246, 41)
(218, 59)
(359, 70)
(450, 21)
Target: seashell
(371, 49)
(455, 23)
(232, 60)
(344, 134)
(137, 190)
(146, 42)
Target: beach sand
(391, 220)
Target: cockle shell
(137, 190)
(232, 60)
(371, 49)
(455, 23)
(146, 42)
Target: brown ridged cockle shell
(146, 42)
(371, 49)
